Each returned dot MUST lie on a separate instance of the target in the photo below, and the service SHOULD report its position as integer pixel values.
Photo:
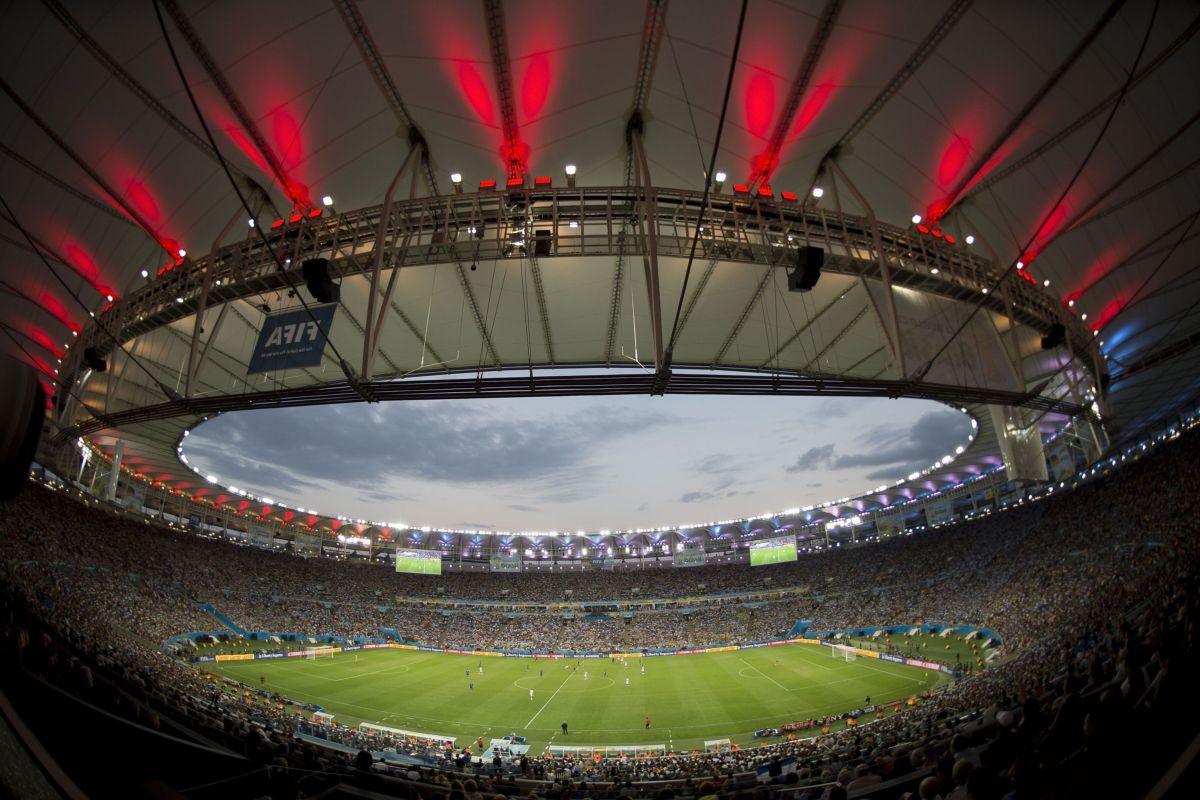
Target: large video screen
(772, 551)
(424, 562)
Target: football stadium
(361, 359)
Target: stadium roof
(1060, 137)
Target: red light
(923, 228)
(487, 185)
(517, 182)
(949, 238)
(789, 196)
(765, 190)
(741, 188)
(294, 218)
(316, 212)
(543, 180)
(277, 223)
(937, 234)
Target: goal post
(844, 651)
(312, 654)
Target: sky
(573, 463)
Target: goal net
(844, 651)
(319, 652)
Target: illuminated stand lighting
(327, 201)
(456, 179)
(916, 219)
(719, 181)
(569, 169)
(818, 192)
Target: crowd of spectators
(1093, 590)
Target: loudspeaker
(1057, 335)
(93, 359)
(320, 285)
(22, 412)
(808, 269)
(541, 243)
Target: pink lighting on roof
(759, 103)
(475, 91)
(535, 85)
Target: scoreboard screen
(772, 551)
(424, 562)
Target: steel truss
(566, 223)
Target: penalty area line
(556, 691)
(765, 675)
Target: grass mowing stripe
(690, 698)
(556, 691)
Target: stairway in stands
(224, 621)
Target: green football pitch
(688, 698)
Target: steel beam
(103, 208)
(997, 175)
(648, 232)
(892, 323)
(514, 156)
(83, 165)
(808, 65)
(200, 50)
(653, 28)
(612, 382)
(141, 92)
(1081, 218)
(925, 49)
(373, 330)
(383, 79)
(985, 156)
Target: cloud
(233, 468)
(895, 450)
(814, 458)
(719, 489)
(523, 507)
(481, 526)
(717, 464)
(430, 441)
(834, 408)
(379, 495)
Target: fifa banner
(688, 557)
(292, 339)
(1062, 460)
(506, 563)
(938, 510)
(889, 525)
(261, 535)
